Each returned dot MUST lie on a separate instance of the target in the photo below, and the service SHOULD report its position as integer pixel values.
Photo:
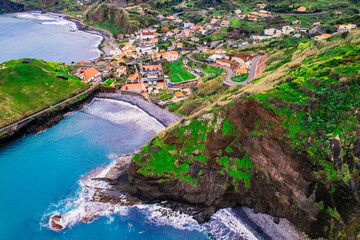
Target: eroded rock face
(282, 184)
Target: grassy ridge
(28, 88)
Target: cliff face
(7, 6)
(116, 20)
(240, 155)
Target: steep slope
(8, 6)
(286, 145)
(26, 88)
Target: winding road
(228, 81)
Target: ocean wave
(122, 113)
(37, 16)
(224, 224)
(83, 207)
(58, 22)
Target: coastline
(106, 36)
(51, 118)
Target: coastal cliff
(217, 160)
(291, 150)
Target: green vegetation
(175, 78)
(162, 158)
(185, 75)
(26, 88)
(108, 83)
(240, 78)
(211, 70)
(166, 96)
(175, 68)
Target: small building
(133, 78)
(195, 39)
(261, 6)
(225, 24)
(156, 57)
(121, 70)
(301, 9)
(344, 28)
(323, 36)
(241, 71)
(89, 75)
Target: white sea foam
(165, 216)
(82, 208)
(37, 16)
(128, 115)
(57, 22)
(225, 225)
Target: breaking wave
(129, 115)
(85, 208)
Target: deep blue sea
(47, 37)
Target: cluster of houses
(137, 59)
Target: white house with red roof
(89, 75)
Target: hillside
(26, 88)
(9, 6)
(286, 145)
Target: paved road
(228, 81)
(45, 110)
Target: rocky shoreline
(119, 192)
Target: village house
(238, 11)
(195, 39)
(146, 49)
(145, 35)
(241, 71)
(225, 24)
(170, 34)
(296, 22)
(323, 36)
(261, 6)
(89, 75)
(287, 30)
(160, 17)
(271, 31)
(179, 45)
(151, 74)
(156, 57)
(301, 9)
(170, 56)
(133, 78)
(344, 28)
(189, 25)
(121, 70)
(108, 69)
(227, 63)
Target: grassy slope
(28, 88)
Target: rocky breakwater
(240, 154)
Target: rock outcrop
(240, 155)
